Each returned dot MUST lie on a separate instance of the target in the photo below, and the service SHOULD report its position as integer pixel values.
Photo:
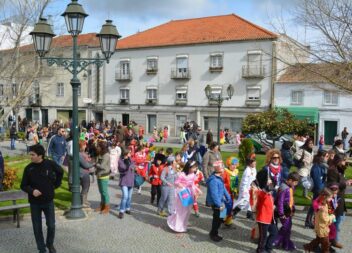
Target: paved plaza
(145, 231)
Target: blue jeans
(58, 159)
(13, 141)
(339, 220)
(126, 198)
(36, 214)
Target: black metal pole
(219, 106)
(76, 211)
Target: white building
(157, 77)
(310, 96)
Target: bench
(14, 196)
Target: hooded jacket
(216, 192)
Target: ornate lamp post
(218, 99)
(42, 36)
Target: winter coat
(208, 161)
(84, 164)
(335, 176)
(103, 165)
(126, 168)
(265, 207)
(216, 192)
(307, 160)
(322, 221)
(318, 173)
(154, 174)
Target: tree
(329, 23)
(15, 78)
(275, 123)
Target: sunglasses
(275, 157)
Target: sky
(132, 16)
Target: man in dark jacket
(2, 171)
(57, 146)
(40, 179)
(13, 136)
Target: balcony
(181, 101)
(215, 69)
(253, 103)
(35, 101)
(124, 101)
(152, 71)
(253, 71)
(120, 76)
(150, 101)
(181, 73)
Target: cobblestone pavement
(144, 231)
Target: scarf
(274, 170)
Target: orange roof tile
(195, 31)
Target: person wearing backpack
(304, 161)
(168, 177)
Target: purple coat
(126, 169)
(283, 201)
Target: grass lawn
(62, 195)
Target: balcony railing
(151, 71)
(151, 101)
(215, 69)
(35, 100)
(253, 103)
(181, 73)
(253, 71)
(124, 101)
(120, 76)
(180, 101)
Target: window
(330, 97)
(181, 94)
(216, 61)
(216, 91)
(124, 94)
(152, 64)
(182, 64)
(253, 93)
(297, 97)
(14, 89)
(60, 90)
(254, 57)
(152, 93)
(1, 90)
(125, 67)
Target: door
(45, 119)
(180, 121)
(330, 131)
(125, 119)
(151, 123)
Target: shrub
(245, 149)
(21, 135)
(9, 178)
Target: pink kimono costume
(178, 221)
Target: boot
(106, 209)
(250, 215)
(100, 208)
(228, 221)
(85, 202)
(235, 211)
(336, 244)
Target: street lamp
(217, 98)
(42, 35)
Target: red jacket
(265, 207)
(154, 174)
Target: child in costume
(199, 178)
(242, 202)
(218, 198)
(285, 208)
(154, 178)
(322, 222)
(140, 159)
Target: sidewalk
(144, 231)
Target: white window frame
(333, 97)
(216, 60)
(124, 93)
(181, 94)
(152, 93)
(297, 97)
(152, 63)
(125, 67)
(182, 69)
(60, 90)
(216, 91)
(248, 98)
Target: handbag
(185, 197)
(299, 163)
(223, 213)
(138, 180)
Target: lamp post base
(75, 214)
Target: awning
(310, 113)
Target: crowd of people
(116, 152)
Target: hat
(160, 157)
(232, 161)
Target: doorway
(151, 123)
(125, 119)
(330, 131)
(180, 121)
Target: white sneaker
(140, 190)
